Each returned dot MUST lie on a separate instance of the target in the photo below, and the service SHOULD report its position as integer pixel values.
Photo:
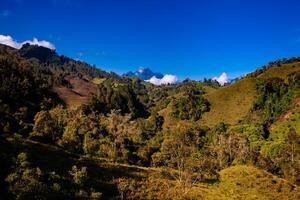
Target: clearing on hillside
(231, 103)
(78, 94)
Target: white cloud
(167, 79)
(222, 79)
(8, 40)
(42, 43)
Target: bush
(79, 175)
(274, 97)
(189, 107)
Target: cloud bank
(165, 80)
(8, 40)
(222, 79)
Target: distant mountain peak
(142, 69)
(143, 73)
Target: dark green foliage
(140, 90)
(189, 107)
(38, 52)
(117, 95)
(274, 97)
(190, 87)
(211, 83)
(24, 89)
(29, 182)
(50, 60)
(25, 182)
(79, 175)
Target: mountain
(143, 73)
(42, 54)
(69, 130)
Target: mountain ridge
(143, 73)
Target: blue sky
(188, 38)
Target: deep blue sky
(187, 38)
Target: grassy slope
(248, 182)
(289, 119)
(282, 71)
(231, 103)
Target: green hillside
(248, 182)
(281, 71)
(71, 131)
(230, 104)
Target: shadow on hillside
(102, 176)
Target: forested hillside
(69, 130)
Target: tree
(116, 94)
(289, 159)
(25, 182)
(79, 176)
(230, 148)
(180, 155)
(190, 107)
(44, 126)
(50, 125)
(274, 97)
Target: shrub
(189, 107)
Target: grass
(98, 81)
(231, 103)
(248, 182)
(282, 71)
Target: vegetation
(71, 131)
(229, 104)
(275, 96)
(190, 107)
